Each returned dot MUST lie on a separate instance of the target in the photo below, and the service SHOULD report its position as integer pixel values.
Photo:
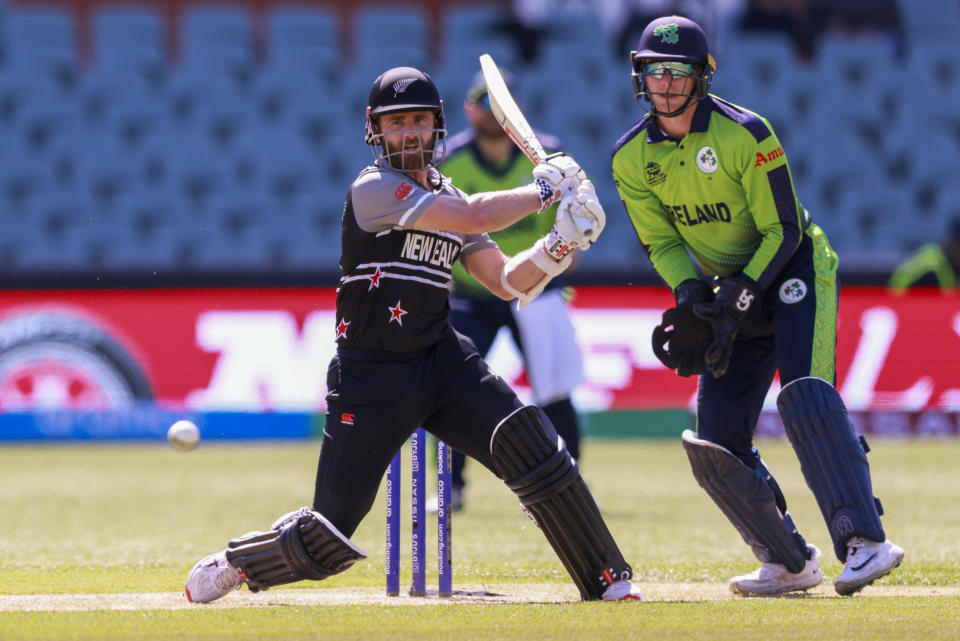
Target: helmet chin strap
(691, 100)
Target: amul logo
(667, 33)
(773, 155)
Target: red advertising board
(268, 349)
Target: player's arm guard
(300, 545)
(533, 461)
(734, 298)
(550, 267)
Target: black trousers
(377, 399)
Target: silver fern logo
(401, 85)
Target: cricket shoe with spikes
(773, 579)
(211, 578)
(622, 591)
(867, 561)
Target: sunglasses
(660, 68)
(482, 99)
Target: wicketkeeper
(704, 178)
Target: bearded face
(406, 140)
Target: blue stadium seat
(933, 62)
(468, 31)
(932, 159)
(103, 171)
(388, 36)
(190, 87)
(839, 158)
(20, 87)
(303, 40)
(472, 22)
(59, 235)
(933, 21)
(947, 206)
(878, 214)
(293, 27)
(861, 60)
(132, 119)
(389, 25)
(197, 171)
(40, 39)
(765, 59)
(311, 234)
(130, 36)
(277, 163)
(281, 90)
(24, 175)
(110, 81)
(218, 38)
(35, 111)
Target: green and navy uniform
(722, 200)
(480, 315)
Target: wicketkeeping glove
(687, 335)
(734, 298)
(557, 174)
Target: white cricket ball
(184, 435)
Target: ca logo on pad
(793, 291)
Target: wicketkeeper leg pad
(300, 545)
(833, 460)
(533, 461)
(750, 499)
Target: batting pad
(750, 499)
(833, 460)
(300, 545)
(531, 458)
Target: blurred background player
(400, 364)
(703, 178)
(932, 265)
(483, 158)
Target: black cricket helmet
(397, 90)
(673, 38)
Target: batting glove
(557, 174)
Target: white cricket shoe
(622, 591)
(211, 578)
(867, 561)
(456, 501)
(773, 579)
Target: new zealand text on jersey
(704, 213)
(425, 248)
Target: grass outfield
(95, 543)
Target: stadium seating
(265, 107)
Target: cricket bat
(508, 114)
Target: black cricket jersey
(395, 286)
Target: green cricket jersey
(724, 193)
(470, 172)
